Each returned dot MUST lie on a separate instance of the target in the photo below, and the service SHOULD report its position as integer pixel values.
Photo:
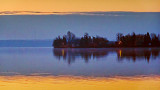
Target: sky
(46, 19)
(105, 24)
(80, 5)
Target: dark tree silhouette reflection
(129, 54)
(71, 54)
(138, 54)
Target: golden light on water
(120, 53)
(78, 83)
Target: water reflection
(132, 54)
(86, 54)
(79, 62)
(138, 54)
(37, 68)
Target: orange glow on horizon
(80, 5)
(78, 83)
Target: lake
(79, 68)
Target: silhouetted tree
(119, 36)
(133, 40)
(129, 40)
(59, 42)
(155, 40)
(139, 40)
(69, 37)
(147, 39)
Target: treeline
(86, 41)
(139, 40)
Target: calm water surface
(82, 69)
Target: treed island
(86, 41)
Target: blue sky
(106, 24)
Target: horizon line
(66, 13)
